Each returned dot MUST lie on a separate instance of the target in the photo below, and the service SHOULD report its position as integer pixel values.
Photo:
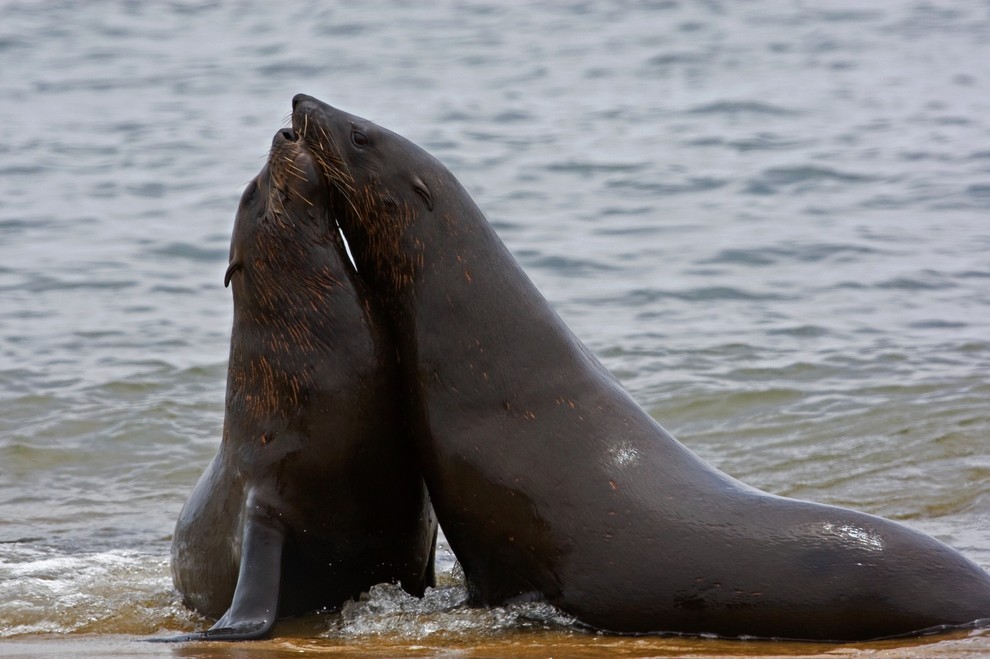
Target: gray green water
(769, 219)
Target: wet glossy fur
(551, 482)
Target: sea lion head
(283, 227)
(380, 184)
(288, 274)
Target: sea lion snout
(284, 135)
(299, 99)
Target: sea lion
(551, 483)
(314, 494)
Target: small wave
(589, 167)
(693, 184)
(22, 170)
(742, 107)
(716, 404)
(846, 15)
(191, 252)
(9, 42)
(62, 86)
(148, 190)
(925, 281)
(981, 190)
(665, 61)
(329, 29)
(512, 116)
(937, 324)
(564, 265)
(803, 253)
(800, 331)
(801, 177)
(642, 296)
(291, 69)
(42, 283)
(50, 592)
(758, 142)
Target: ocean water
(770, 219)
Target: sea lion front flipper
(254, 607)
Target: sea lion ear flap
(420, 188)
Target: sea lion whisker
(295, 171)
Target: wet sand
(295, 640)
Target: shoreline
(515, 644)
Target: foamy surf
(48, 591)
(388, 611)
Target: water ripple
(743, 107)
(50, 592)
(802, 178)
(801, 253)
(768, 219)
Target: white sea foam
(387, 610)
(43, 590)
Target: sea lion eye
(359, 139)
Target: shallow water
(767, 218)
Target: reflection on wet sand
(299, 640)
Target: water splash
(48, 591)
(388, 611)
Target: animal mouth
(290, 172)
(311, 130)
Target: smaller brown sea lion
(314, 494)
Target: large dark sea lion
(551, 482)
(314, 494)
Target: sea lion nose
(299, 98)
(284, 135)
